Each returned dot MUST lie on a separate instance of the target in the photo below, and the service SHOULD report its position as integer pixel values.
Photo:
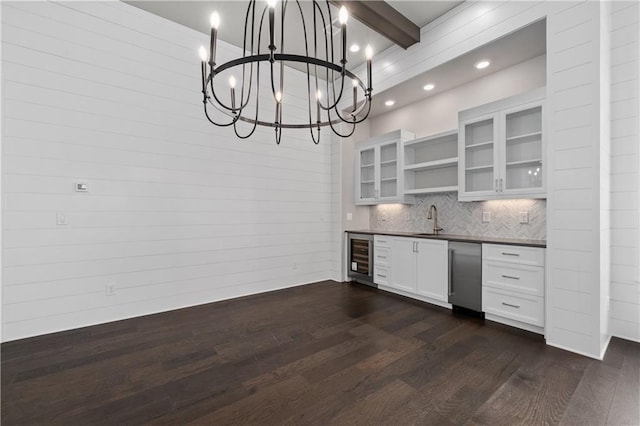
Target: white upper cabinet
(379, 165)
(502, 148)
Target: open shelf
(479, 168)
(446, 162)
(431, 164)
(431, 190)
(524, 136)
(479, 145)
(388, 162)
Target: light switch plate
(81, 186)
(486, 216)
(61, 218)
(524, 217)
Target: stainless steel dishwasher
(465, 275)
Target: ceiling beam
(383, 19)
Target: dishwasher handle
(451, 251)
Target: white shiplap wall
(625, 179)
(573, 309)
(179, 212)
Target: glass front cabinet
(378, 169)
(501, 149)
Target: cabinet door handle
(509, 304)
(381, 276)
(417, 247)
(495, 186)
(506, 253)
(501, 185)
(450, 272)
(511, 277)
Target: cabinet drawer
(514, 277)
(381, 241)
(380, 275)
(519, 307)
(381, 256)
(533, 256)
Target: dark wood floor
(325, 353)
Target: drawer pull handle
(382, 276)
(511, 277)
(509, 304)
(506, 253)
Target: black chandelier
(328, 76)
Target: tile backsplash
(464, 218)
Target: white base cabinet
(432, 270)
(513, 285)
(419, 267)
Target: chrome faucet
(433, 215)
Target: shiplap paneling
(578, 131)
(625, 179)
(179, 212)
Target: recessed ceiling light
(429, 86)
(354, 48)
(390, 102)
(482, 64)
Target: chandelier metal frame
(322, 62)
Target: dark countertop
(461, 238)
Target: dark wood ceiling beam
(383, 19)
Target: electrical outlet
(486, 216)
(61, 218)
(110, 289)
(524, 217)
(349, 217)
(81, 186)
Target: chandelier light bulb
(343, 16)
(279, 97)
(368, 53)
(214, 19)
(354, 82)
(271, 3)
(232, 82)
(319, 95)
(203, 54)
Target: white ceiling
(195, 14)
(524, 44)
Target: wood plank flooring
(324, 353)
